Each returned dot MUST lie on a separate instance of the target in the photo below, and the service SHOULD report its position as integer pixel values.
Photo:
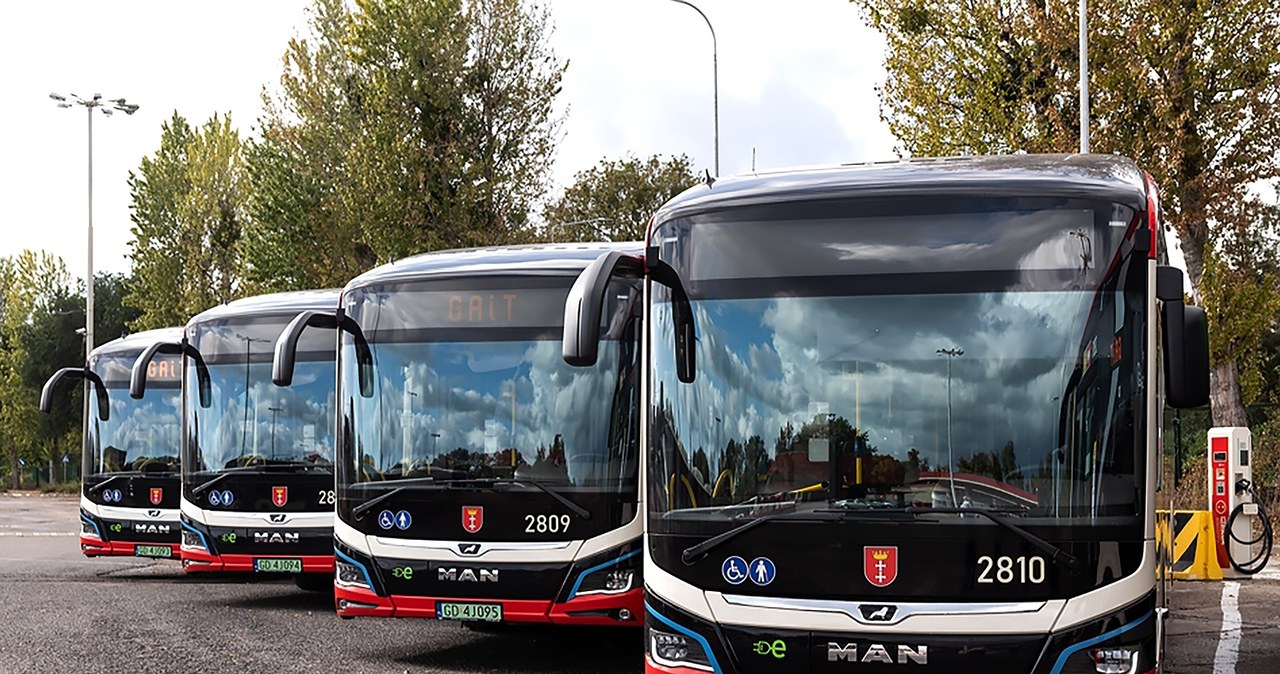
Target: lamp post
(274, 411)
(1084, 76)
(715, 81)
(107, 106)
(951, 354)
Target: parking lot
(63, 612)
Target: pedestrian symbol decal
(403, 520)
(734, 570)
(227, 497)
(762, 571)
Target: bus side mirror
(99, 389)
(286, 350)
(580, 343)
(1185, 332)
(686, 348)
(138, 374)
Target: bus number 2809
(546, 524)
(1006, 570)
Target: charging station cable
(1264, 538)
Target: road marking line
(23, 534)
(1224, 660)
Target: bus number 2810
(1006, 570)
(546, 524)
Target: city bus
(257, 460)
(906, 415)
(481, 479)
(129, 493)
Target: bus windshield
(980, 353)
(469, 384)
(140, 435)
(252, 422)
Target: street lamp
(951, 354)
(715, 81)
(107, 106)
(274, 410)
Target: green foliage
(38, 333)
(190, 204)
(615, 199)
(400, 126)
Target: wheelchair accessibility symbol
(734, 570)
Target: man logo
(877, 653)
(877, 612)
(277, 518)
(151, 528)
(468, 549)
(468, 575)
(275, 537)
(153, 514)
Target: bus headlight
(607, 581)
(191, 539)
(350, 575)
(1115, 660)
(677, 650)
(88, 529)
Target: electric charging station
(1233, 506)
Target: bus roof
(1097, 176)
(138, 341)
(568, 258)
(271, 304)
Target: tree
(401, 126)
(190, 205)
(38, 305)
(615, 199)
(1185, 88)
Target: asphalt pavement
(62, 612)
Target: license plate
(450, 610)
(152, 551)
(278, 565)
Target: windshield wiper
(116, 476)
(359, 511)
(259, 468)
(1057, 555)
(564, 500)
(697, 551)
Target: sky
(796, 86)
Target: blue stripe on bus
(1068, 652)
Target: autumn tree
(401, 126)
(1186, 88)
(190, 205)
(614, 199)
